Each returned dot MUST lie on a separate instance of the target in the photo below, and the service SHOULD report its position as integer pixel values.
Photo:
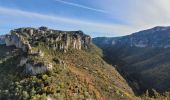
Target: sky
(98, 18)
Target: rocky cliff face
(27, 39)
(35, 64)
(55, 39)
(155, 37)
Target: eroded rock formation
(27, 38)
(34, 67)
(55, 39)
(15, 39)
(38, 68)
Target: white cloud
(88, 26)
(140, 14)
(152, 13)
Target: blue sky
(94, 17)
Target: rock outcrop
(38, 68)
(34, 67)
(57, 40)
(15, 39)
(35, 61)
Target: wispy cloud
(138, 14)
(141, 14)
(82, 24)
(82, 6)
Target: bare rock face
(8, 41)
(24, 38)
(15, 39)
(27, 39)
(65, 40)
(37, 68)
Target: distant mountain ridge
(142, 58)
(155, 37)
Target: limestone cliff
(57, 40)
(27, 39)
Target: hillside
(142, 58)
(51, 64)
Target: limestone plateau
(55, 39)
